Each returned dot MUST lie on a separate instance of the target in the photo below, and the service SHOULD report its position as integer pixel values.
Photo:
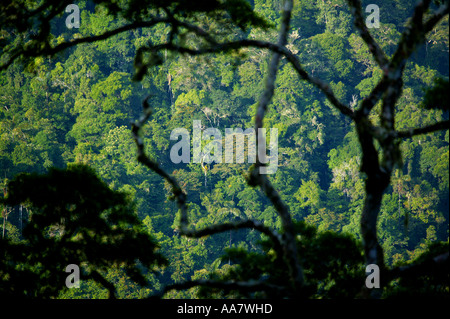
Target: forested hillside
(76, 107)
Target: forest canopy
(87, 115)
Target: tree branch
(249, 286)
(220, 228)
(443, 125)
(430, 266)
(267, 94)
(34, 52)
(440, 13)
(415, 32)
(374, 48)
(215, 48)
(96, 276)
(369, 102)
(289, 239)
(180, 196)
(288, 242)
(246, 43)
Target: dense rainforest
(67, 149)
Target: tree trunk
(371, 209)
(377, 180)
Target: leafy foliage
(333, 264)
(75, 219)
